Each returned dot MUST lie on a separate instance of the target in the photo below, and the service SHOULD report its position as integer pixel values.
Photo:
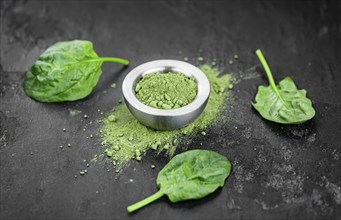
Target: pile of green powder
(124, 138)
(166, 90)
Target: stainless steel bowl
(161, 119)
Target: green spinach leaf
(66, 71)
(189, 175)
(282, 103)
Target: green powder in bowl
(166, 90)
(124, 137)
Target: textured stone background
(279, 171)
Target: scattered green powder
(166, 90)
(125, 138)
(74, 112)
(200, 59)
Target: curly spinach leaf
(66, 71)
(190, 175)
(282, 103)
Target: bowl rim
(188, 69)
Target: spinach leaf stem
(145, 202)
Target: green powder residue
(166, 90)
(74, 112)
(113, 85)
(124, 138)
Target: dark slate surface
(279, 171)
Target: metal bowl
(161, 119)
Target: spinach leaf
(66, 71)
(190, 175)
(282, 103)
